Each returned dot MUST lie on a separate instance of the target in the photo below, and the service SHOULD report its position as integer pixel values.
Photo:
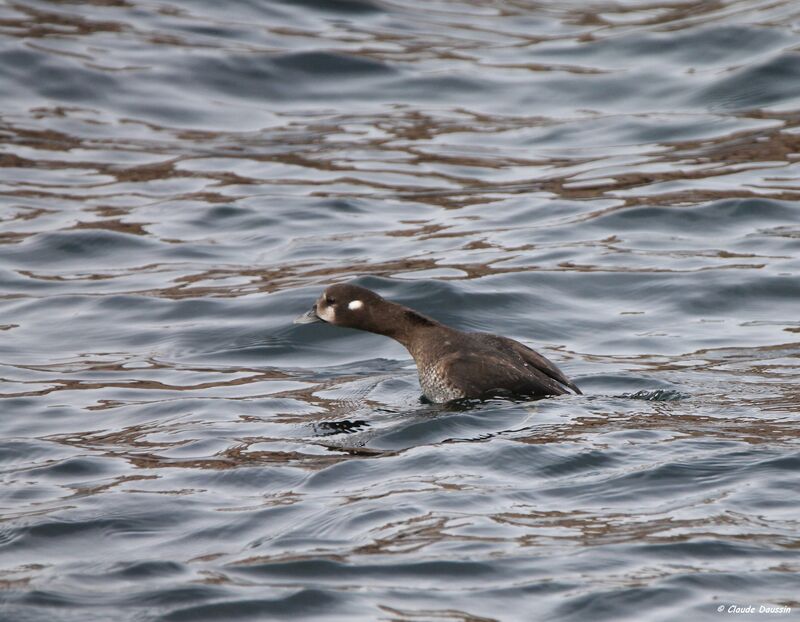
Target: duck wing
(532, 359)
(477, 375)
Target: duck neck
(404, 325)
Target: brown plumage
(452, 364)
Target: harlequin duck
(452, 364)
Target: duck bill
(309, 317)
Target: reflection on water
(614, 184)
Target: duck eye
(330, 300)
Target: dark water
(616, 184)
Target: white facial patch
(326, 313)
(355, 305)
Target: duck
(452, 364)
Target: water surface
(614, 184)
